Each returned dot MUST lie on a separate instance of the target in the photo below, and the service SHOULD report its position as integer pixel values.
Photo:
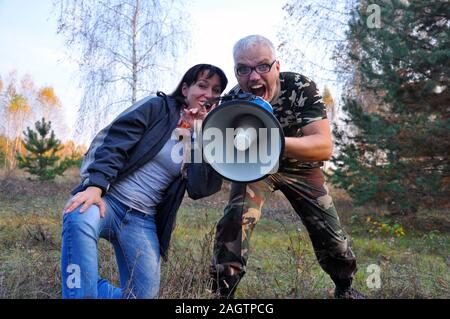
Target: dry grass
(281, 264)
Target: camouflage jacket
(299, 103)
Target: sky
(29, 42)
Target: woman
(132, 188)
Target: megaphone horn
(242, 140)
(246, 132)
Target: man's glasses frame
(244, 70)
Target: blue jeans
(133, 235)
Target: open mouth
(258, 90)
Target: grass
(281, 264)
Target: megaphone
(242, 139)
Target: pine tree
(41, 158)
(397, 153)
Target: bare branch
(120, 46)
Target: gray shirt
(144, 189)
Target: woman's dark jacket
(130, 141)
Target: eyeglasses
(244, 70)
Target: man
(298, 106)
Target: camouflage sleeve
(309, 102)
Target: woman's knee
(87, 222)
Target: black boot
(344, 289)
(225, 287)
(224, 284)
(347, 293)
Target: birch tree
(21, 103)
(312, 35)
(16, 111)
(126, 49)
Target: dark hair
(191, 76)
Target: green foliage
(74, 160)
(396, 153)
(41, 158)
(3, 147)
(384, 227)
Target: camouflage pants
(308, 195)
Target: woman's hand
(194, 114)
(190, 115)
(92, 195)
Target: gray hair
(249, 41)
